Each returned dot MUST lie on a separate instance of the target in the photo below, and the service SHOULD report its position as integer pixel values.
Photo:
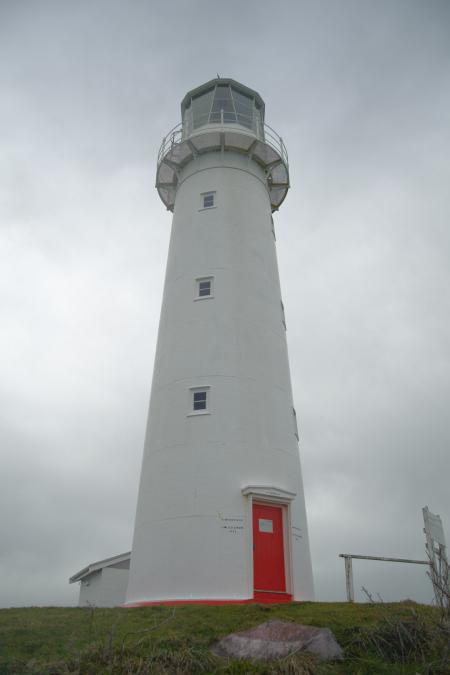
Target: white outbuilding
(103, 583)
(221, 513)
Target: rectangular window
(273, 228)
(204, 287)
(265, 525)
(199, 401)
(208, 200)
(283, 317)
(294, 415)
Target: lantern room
(222, 116)
(222, 102)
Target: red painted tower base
(259, 598)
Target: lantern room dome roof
(223, 81)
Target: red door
(268, 549)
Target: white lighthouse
(221, 513)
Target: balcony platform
(267, 150)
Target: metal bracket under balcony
(268, 151)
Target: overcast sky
(360, 92)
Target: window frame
(206, 389)
(198, 281)
(203, 195)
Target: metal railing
(262, 131)
(174, 137)
(348, 557)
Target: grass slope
(167, 640)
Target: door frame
(270, 496)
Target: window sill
(204, 297)
(208, 208)
(195, 413)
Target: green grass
(165, 640)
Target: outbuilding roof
(99, 565)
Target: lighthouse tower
(221, 513)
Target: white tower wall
(202, 470)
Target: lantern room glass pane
(224, 104)
(241, 101)
(244, 109)
(201, 106)
(215, 118)
(229, 117)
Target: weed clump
(405, 640)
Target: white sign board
(265, 525)
(433, 526)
